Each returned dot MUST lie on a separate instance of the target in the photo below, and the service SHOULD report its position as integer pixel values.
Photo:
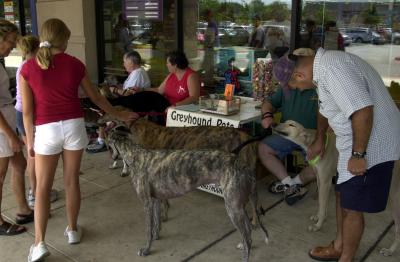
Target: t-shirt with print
(297, 105)
(55, 90)
(137, 78)
(177, 90)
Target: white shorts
(9, 114)
(52, 138)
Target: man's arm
(267, 111)
(361, 123)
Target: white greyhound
(325, 169)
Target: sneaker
(295, 193)
(31, 197)
(74, 237)
(277, 187)
(37, 253)
(96, 147)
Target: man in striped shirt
(354, 101)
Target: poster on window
(9, 11)
(144, 9)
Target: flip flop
(7, 229)
(22, 219)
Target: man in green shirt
(302, 107)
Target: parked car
(378, 39)
(285, 29)
(346, 39)
(200, 34)
(233, 37)
(359, 34)
(396, 38)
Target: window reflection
(229, 36)
(152, 37)
(369, 29)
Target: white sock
(297, 180)
(100, 140)
(288, 181)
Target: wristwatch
(356, 154)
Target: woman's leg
(45, 167)
(30, 169)
(18, 164)
(72, 162)
(3, 172)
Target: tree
(371, 16)
(277, 11)
(256, 7)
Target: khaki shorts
(9, 114)
(53, 138)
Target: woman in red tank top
(182, 85)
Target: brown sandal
(328, 253)
(7, 229)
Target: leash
(251, 140)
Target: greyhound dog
(326, 168)
(153, 136)
(163, 174)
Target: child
(28, 45)
(49, 87)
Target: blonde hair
(28, 45)
(56, 33)
(6, 27)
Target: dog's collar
(315, 160)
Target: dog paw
(240, 246)
(124, 174)
(114, 165)
(386, 252)
(143, 252)
(314, 218)
(313, 228)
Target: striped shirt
(346, 84)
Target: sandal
(7, 229)
(328, 253)
(22, 219)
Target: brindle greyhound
(152, 136)
(163, 174)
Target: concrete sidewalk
(198, 228)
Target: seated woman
(180, 87)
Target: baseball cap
(284, 67)
(303, 52)
(283, 70)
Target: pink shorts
(53, 138)
(9, 114)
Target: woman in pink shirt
(49, 85)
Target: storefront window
(151, 30)
(369, 29)
(223, 36)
